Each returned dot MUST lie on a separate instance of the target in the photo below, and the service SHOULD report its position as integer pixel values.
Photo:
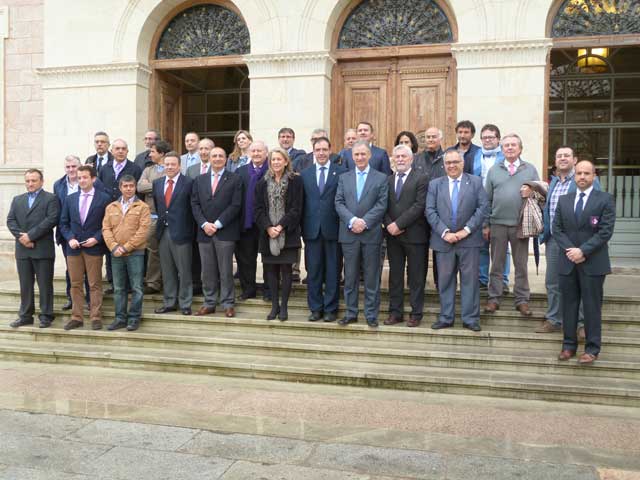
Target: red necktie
(168, 192)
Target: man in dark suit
(361, 201)
(431, 160)
(204, 151)
(379, 159)
(174, 230)
(216, 201)
(582, 226)
(143, 160)
(320, 233)
(31, 219)
(286, 139)
(102, 156)
(457, 207)
(407, 237)
(81, 226)
(307, 160)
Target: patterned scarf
(276, 194)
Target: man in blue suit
(457, 207)
(320, 233)
(361, 201)
(174, 230)
(81, 227)
(379, 158)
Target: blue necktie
(399, 185)
(321, 180)
(580, 207)
(454, 204)
(360, 185)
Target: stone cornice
(521, 53)
(108, 74)
(290, 64)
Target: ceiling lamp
(593, 60)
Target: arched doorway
(200, 82)
(594, 100)
(394, 69)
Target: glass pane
(588, 113)
(588, 89)
(628, 88)
(625, 60)
(592, 142)
(222, 122)
(223, 102)
(245, 101)
(556, 113)
(194, 104)
(555, 141)
(626, 112)
(245, 121)
(194, 123)
(625, 185)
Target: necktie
(360, 185)
(512, 169)
(214, 185)
(83, 207)
(203, 170)
(321, 181)
(168, 192)
(580, 206)
(454, 204)
(118, 168)
(399, 185)
(100, 160)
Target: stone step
(582, 389)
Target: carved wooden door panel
(167, 116)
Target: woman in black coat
(278, 210)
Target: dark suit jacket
(292, 213)
(295, 153)
(408, 211)
(305, 161)
(37, 221)
(371, 207)
(473, 211)
(319, 214)
(379, 160)
(243, 173)
(60, 191)
(71, 227)
(225, 205)
(143, 160)
(590, 234)
(91, 160)
(178, 218)
(108, 177)
(433, 169)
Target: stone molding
(109, 74)
(290, 64)
(513, 54)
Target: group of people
(176, 221)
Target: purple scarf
(254, 177)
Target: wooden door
(166, 113)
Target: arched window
(596, 17)
(204, 31)
(387, 23)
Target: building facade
(554, 71)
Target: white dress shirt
(175, 182)
(587, 192)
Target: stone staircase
(506, 359)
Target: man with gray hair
(430, 161)
(503, 189)
(143, 160)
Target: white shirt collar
(406, 174)
(451, 180)
(175, 179)
(515, 164)
(366, 170)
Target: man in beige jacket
(125, 228)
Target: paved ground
(95, 423)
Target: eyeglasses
(452, 163)
(488, 137)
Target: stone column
(289, 89)
(505, 83)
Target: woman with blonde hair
(240, 155)
(278, 210)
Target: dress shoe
(186, 311)
(71, 324)
(273, 313)
(330, 317)
(440, 324)
(96, 325)
(566, 355)
(247, 296)
(230, 312)
(414, 320)
(491, 307)
(132, 326)
(109, 291)
(45, 323)
(116, 324)
(524, 310)
(150, 290)
(284, 314)
(372, 322)
(581, 334)
(295, 278)
(315, 316)
(547, 327)
(205, 311)
(393, 319)
(67, 305)
(587, 358)
(474, 327)
(165, 309)
(347, 320)
(20, 323)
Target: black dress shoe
(186, 311)
(372, 322)
(315, 316)
(133, 326)
(116, 324)
(474, 327)
(45, 323)
(68, 305)
(273, 313)
(246, 296)
(150, 290)
(347, 320)
(20, 323)
(283, 315)
(439, 324)
(109, 291)
(165, 309)
(330, 317)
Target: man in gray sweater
(503, 188)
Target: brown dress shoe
(491, 307)
(547, 327)
(581, 334)
(414, 321)
(523, 308)
(205, 311)
(566, 354)
(71, 324)
(393, 319)
(96, 325)
(587, 358)
(230, 312)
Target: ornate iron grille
(596, 17)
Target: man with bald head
(430, 161)
(204, 151)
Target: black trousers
(574, 288)
(247, 259)
(42, 270)
(411, 255)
